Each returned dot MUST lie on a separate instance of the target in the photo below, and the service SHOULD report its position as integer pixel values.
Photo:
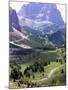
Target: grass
(47, 69)
(23, 66)
(58, 71)
(50, 55)
(54, 80)
(50, 67)
(59, 78)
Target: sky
(17, 6)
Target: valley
(37, 46)
(52, 60)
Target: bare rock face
(37, 20)
(42, 12)
(13, 20)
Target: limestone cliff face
(13, 20)
(42, 12)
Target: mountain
(58, 38)
(15, 34)
(25, 38)
(41, 20)
(37, 25)
(13, 20)
(41, 12)
(42, 17)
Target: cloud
(62, 9)
(17, 5)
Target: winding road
(49, 75)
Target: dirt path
(49, 75)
